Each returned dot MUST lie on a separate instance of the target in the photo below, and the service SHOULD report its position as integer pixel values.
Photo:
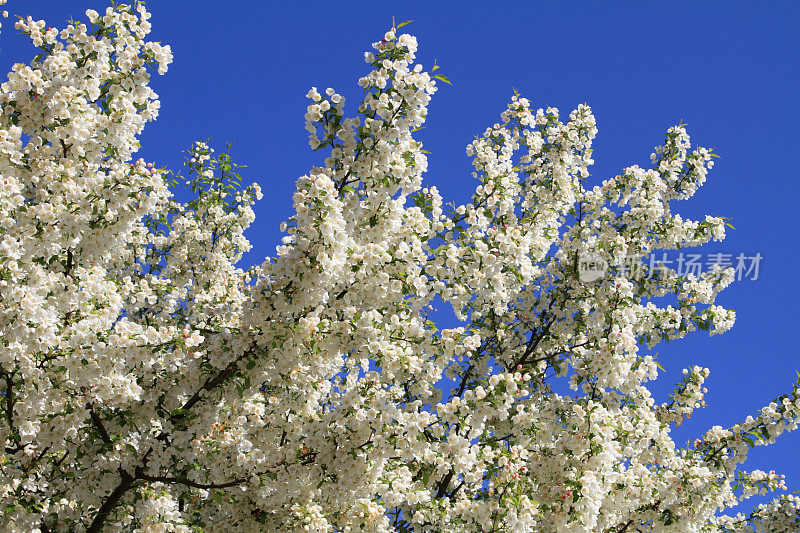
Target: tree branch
(532, 345)
(98, 424)
(187, 482)
(212, 383)
(111, 502)
(444, 483)
(9, 409)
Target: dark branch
(187, 482)
(98, 424)
(444, 483)
(111, 502)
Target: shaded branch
(98, 424)
(111, 502)
(187, 482)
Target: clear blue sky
(729, 70)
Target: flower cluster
(148, 383)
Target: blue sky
(728, 70)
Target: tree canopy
(149, 383)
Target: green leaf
(403, 24)
(443, 78)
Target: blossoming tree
(148, 383)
